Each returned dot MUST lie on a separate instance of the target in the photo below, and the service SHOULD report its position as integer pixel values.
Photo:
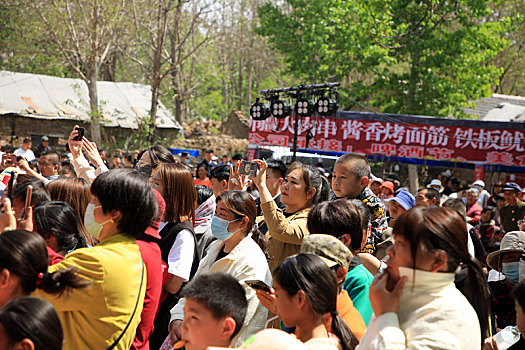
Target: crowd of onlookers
(156, 253)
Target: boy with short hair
(350, 180)
(214, 311)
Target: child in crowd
(485, 227)
(343, 219)
(214, 312)
(350, 180)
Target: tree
(166, 36)
(82, 32)
(429, 57)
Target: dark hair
(220, 173)
(277, 165)
(67, 163)
(53, 156)
(117, 156)
(202, 165)
(438, 228)
(209, 150)
(127, 191)
(32, 318)
(178, 191)
(75, 192)
(221, 294)
(34, 164)
(241, 204)
(39, 194)
(491, 209)
(307, 272)
(203, 193)
(313, 180)
(237, 156)
(27, 140)
(24, 254)
(432, 193)
(128, 157)
(60, 220)
(158, 155)
(364, 212)
(457, 205)
(336, 218)
(361, 167)
(518, 294)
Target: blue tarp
(176, 151)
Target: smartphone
(257, 284)
(11, 185)
(80, 134)
(249, 168)
(29, 193)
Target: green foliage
(401, 56)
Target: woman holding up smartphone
(302, 188)
(415, 301)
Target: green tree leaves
(401, 56)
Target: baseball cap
(45, 138)
(404, 198)
(513, 241)
(479, 183)
(389, 185)
(331, 250)
(153, 229)
(511, 186)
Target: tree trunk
(93, 104)
(412, 85)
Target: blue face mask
(219, 228)
(511, 271)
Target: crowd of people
(157, 254)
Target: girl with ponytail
(23, 255)
(415, 301)
(240, 250)
(306, 290)
(58, 224)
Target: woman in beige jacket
(302, 188)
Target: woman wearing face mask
(107, 312)
(506, 261)
(415, 301)
(239, 251)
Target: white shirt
(28, 155)
(180, 257)
(433, 314)
(245, 262)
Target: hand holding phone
(258, 284)
(80, 133)
(249, 168)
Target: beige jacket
(285, 233)
(245, 262)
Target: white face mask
(92, 226)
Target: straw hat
(513, 241)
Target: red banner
(423, 141)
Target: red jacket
(151, 256)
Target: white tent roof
(48, 97)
